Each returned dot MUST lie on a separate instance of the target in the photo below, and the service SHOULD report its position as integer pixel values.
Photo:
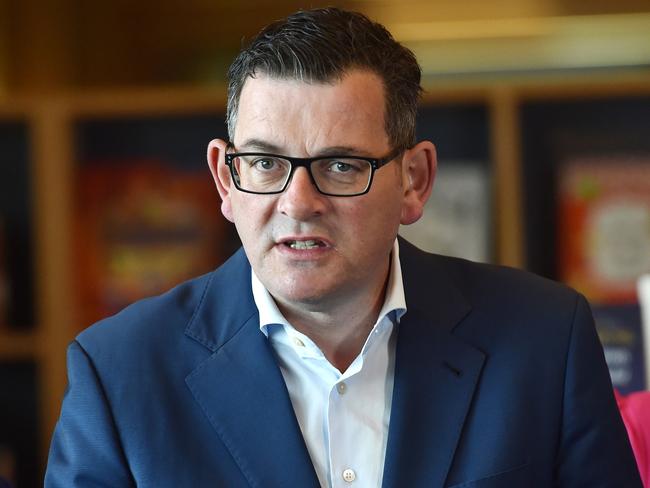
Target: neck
(339, 329)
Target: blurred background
(540, 110)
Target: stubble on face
(354, 234)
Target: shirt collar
(394, 301)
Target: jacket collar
(436, 374)
(226, 304)
(240, 387)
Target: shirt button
(298, 342)
(341, 388)
(349, 475)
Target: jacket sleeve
(594, 447)
(86, 450)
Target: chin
(302, 291)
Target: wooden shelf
(18, 345)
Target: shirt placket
(350, 465)
(344, 466)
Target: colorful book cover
(456, 219)
(141, 228)
(604, 226)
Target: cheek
(249, 235)
(250, 214)
(373, 225)
(385, 209)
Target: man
(328, 352)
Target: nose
(301, 200)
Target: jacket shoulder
(483, 283)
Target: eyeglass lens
(266, 174)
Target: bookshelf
(20, 420)
(18, 345)
(506, 125)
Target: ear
(419, 166)
(221, 175)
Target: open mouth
(307, 244)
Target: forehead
(304, 117)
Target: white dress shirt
(343, 416)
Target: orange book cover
(604, 226)
(141, 227)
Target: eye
(342, 167)
(264, 164)
(346, 166)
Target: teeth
(303, 244)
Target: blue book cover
(620, 332)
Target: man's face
(353, 235)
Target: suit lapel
(240, 387)
(436, 374)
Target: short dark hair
(320, 46)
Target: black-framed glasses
(337, 176)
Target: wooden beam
(506, 156)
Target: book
(141, 228)
(456, 219)
(621, 334)
(604, 226)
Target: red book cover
(604, 226)
(141, 228)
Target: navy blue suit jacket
(500, 381)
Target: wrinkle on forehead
(304, 118)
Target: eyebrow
(265, 146)
(258, 145)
